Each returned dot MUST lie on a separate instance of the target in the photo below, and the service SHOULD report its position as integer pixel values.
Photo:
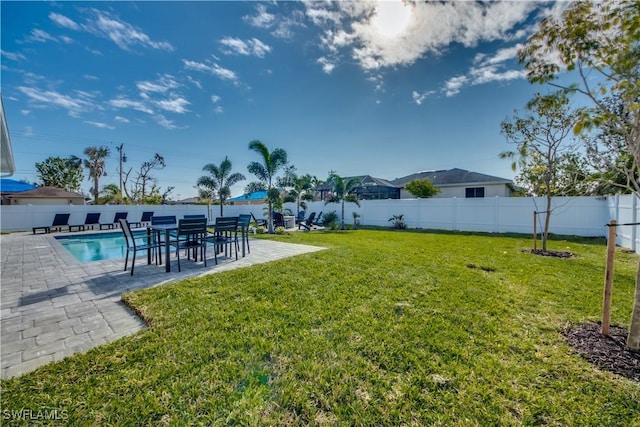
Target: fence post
(535, 231)
(608, 279)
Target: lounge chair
(117, 217)
(59, 221)
(300, 217)
(144, 220)
(92, 219)
(133, 247)
(259, 222)
(308, 223)
(318, 220)
(278, 220)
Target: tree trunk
(342, 227)
(633, 339)
(547, 219)
(221, 214)
(270, 219)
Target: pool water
(97, 247)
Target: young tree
(300, 191)
(342, 191)
(422, 188)
(220, 179)
(96, 165)
(597, 42)
(140, 190)
(111, 194)
(272, 163)
(541, 144)
(61, 173)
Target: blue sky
(380, 88)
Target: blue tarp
(256, 195)
(13, 186)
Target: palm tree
(220, 179)
(111, 194)
(266, 172)
(96, 165)
(342, 192)
(301, 190)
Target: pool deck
(52, 306)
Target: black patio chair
(300, 217)
(59, 221)
(225, 235)
(192, 234)
(116, 220)
(92, 219)
(163, 219)
(243, 223)
(308, 223)
(132, 246)
(318, 220)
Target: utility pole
(123, 159)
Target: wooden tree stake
(608, 279)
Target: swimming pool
(97, 247)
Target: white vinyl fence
(580, 216)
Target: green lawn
(382, 328)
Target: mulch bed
(557, 254)
(606, 352)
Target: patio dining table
(167, 229)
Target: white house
(459, 183)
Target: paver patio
(52, 306)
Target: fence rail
(580, 216)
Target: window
(472, 192)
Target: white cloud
(164, 122)
(63, 21)
(12, 55)
(218, 110)
(215, 99)
(419, 98)
(123, 102)
(121, 119)
(252, 47)
(212, 68)
(454, 84)
(359, 31)
(262, 18)
(99, 125)
(41, 36)
(74, 105)
(173, 105)
(327, 65)
(123, 34)
(162, 85)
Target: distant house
(46, 196)
(187, 201)
(459, 183)
(371, 189)
(10, 187)
(255, 198)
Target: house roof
(367, 180)
(256, 195)
(454, 176)
(12, 186)
(47, 192)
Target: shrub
(330, 220)
(398, 222)
(280, 230)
